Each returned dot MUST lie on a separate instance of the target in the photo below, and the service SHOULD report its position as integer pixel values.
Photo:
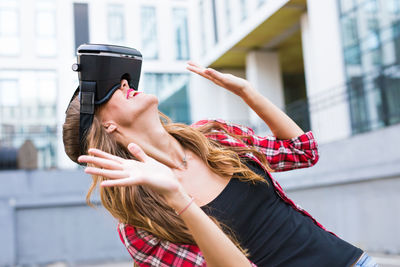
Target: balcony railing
(373, 101)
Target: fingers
(203, 71)
(120, 182)
(191, 63)
(112, 174)
(100, 162)
(203, 74)
(102, 154)
(137, 151)
(208, 73)
(197, 70)
(213, 73)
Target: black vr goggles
(100, 70)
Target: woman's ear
(110, 127)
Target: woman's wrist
(247, 93)
(178, 199)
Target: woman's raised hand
(123, 172)
(230, 82)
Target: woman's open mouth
(131, 93)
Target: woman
(202, 194)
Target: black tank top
(274, 233)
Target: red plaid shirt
(282, 155)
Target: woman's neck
(157, 143)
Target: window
(203, 35)
(171, 90)
(215, 22)
(46, 39)
(81, 24)
(29, 112)
(346, 5)
(352, 53)
(149, 32)
(116, 28)
(371, 52)
(181, 33)
(396, 37)
(350, 32)
(8, 93)
(261, 2)
(393, 6)
(371, 6)
(243, 7)
(372, 42)
(358, 105)
(9, 28)
(228, 17)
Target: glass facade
(149, 32)
(228, 17)
(81, 24)
(261, 2)
(243, 9)
(29, 85)
(215, 20)
(115, 24)
(371, 46)
(9, 28)
(181, 33)
(202, 26)
(28, 112)
(172, 91)
(46, 37)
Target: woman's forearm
(217, 248)
(281, 125)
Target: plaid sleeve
(282, 155)
(147, 250)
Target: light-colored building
(333, 66)
(43, 214)
(38, 40)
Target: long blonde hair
(139, 205)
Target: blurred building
(333, 66)
(43, 214)
(38, 40)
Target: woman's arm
(217, 248)
(280, 124)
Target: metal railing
(373, 101)
(44, 139)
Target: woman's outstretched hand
(123, 172)
(230, 82)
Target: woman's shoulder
(206, 121)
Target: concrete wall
(44, 219)
(353, 190)
(364, 213)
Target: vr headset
(100, 70)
